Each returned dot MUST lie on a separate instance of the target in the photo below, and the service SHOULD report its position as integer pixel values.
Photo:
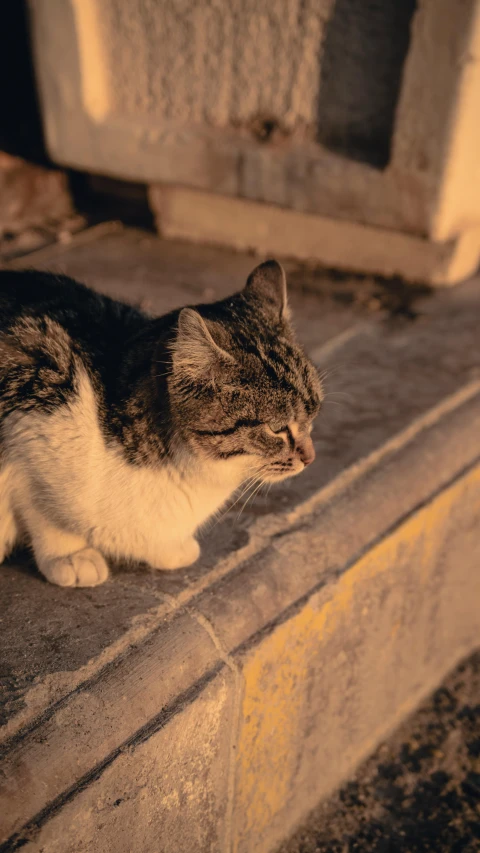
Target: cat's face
(241, 387)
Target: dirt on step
(420, 792)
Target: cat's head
(240, 386)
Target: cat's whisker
(248, 484)
(325, 374)
(329, 372)
(244, 491)
(338, 394)
(169, 364)
(335, 403)
(334, 369)
(250, 497)
(345, 396)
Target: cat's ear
(195, 353)
(268, 284)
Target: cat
(121, 434)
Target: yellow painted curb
(419, 563)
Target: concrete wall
(327, 71)
(360, 112)
(208, 63)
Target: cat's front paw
(183, 555)
(84, 568)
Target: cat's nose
(306, 451)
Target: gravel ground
(420, 791)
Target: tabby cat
(121, 434)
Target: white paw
(183, 555)
(84, 568)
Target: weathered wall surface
(356, 111)
(194, 77)
(215, 63)
(329, 70)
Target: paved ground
(377, 332)
(240, 670)
(420, 791)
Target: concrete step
(210, 709)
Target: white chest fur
(86, 487)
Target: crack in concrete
(235, 730)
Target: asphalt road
(420, 791)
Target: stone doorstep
(246, 225)
(228, 722)
(227, 700)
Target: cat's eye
(278, 430)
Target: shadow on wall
(20, 123)
(364, 51)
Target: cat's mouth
(278, 471)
